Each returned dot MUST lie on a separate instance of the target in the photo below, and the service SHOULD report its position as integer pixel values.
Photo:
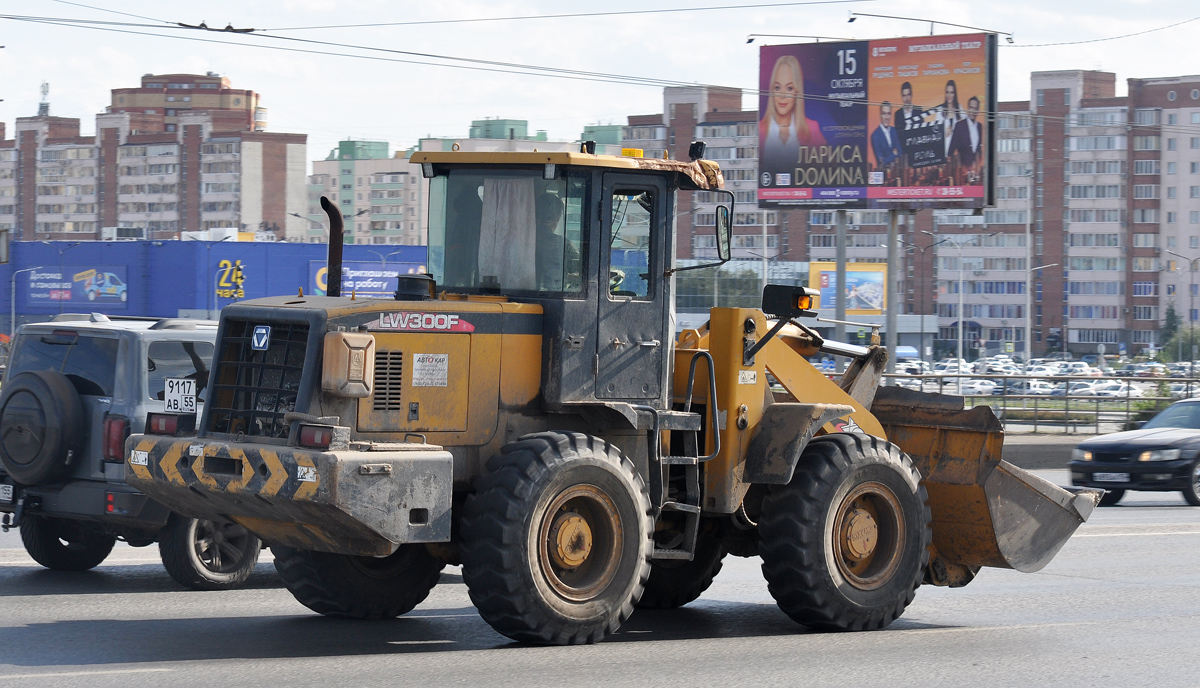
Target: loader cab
(590, 243)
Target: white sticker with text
(431, 370)
(747, 377)
(139, 458)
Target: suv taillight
(116, 429)
(316, 436)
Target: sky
(331, 98)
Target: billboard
(361, 278)
(864, 289)
(100, 287)
(889, 123)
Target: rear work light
(116, 429)
(170, 424)
(316, 436)
(162, 424)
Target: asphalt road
(1120, 606)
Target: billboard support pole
(840, 301)
(890, 324)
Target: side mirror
(724, 232)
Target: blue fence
(183, 278)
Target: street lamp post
(961, 312)
(1029, 311)
(961, 290)
(1191, 309)
(12, 325)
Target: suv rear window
(178, 359)
(90, 363)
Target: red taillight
(316, 436)
(115, 432)
(162, 424)
(109, 506)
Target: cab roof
(703, 175)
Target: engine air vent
(389, 380)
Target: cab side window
(629, 252)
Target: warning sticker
(747, 377)
(430, 370)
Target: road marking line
(1153, 533)
(64, 674)
(420, 642)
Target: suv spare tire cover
(41, 426)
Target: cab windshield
(507, 231)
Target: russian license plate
(1110, 477)
(6, 493)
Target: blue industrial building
(192, 279)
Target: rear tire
(674, 583)
(1111, 497)
(358, 587)
(208, 555)
(1192, 493)
(557, 539)
(62, 545)
(845, 543)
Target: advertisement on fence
(361, 278)
(100, 287)
(863, 290)
(890, 123)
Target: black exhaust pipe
(333, 280)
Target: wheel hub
(861, 534)
(868, 535)
(572, 537)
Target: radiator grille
(252, 390)
(389, 379)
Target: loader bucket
(986, 511)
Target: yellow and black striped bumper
(347, 502)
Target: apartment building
(150, 173)
(381, 196)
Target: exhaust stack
(333, 280)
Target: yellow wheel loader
(526, 410)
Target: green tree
(1180, 342)
(1170, 323)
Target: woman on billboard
(785, 128)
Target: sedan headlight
(1159, 455)
(1080, 454)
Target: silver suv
(74, 389)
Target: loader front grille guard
(656, 462)
(253, 389)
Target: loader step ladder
(663, 469)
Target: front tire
(1192, 493)
(1111, 497)
(845, 543)
(557, 539)
(358, 587)
(208, 555)
(62, 545)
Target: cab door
(632, 341)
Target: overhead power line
(104, 9)
(491, 66)
(1102, 40)
(573, 15)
